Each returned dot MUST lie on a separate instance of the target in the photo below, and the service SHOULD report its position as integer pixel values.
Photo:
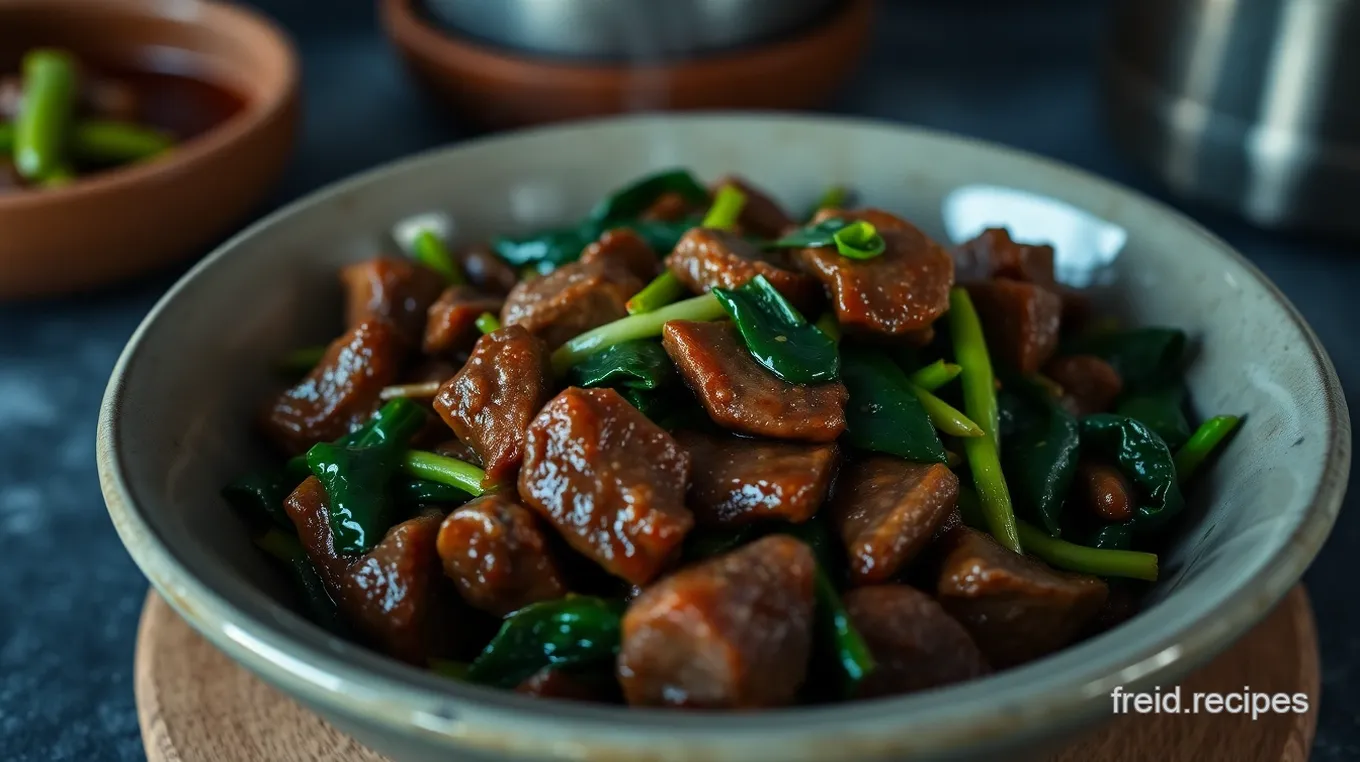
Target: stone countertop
(985, 69)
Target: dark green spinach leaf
(1144, 458)
(778, 336)
(1162, 409)
(1039, 452)
(577, 630)
(884, 414)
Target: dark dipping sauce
(166, 90)
(182, 104)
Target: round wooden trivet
(196, 705)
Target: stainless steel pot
(625, 29)
(1249, 104)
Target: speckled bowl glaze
(174, 427)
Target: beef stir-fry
(691, 453)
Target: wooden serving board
(196, 705)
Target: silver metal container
(626, 29)
(1252, 105)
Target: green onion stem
(486, 323)
(429, 250)
(727, 205)
(979, 397)
(444, 470)
(665, 289)
(1202, 444)
(946, 417)
(641, 326)
(935, 375)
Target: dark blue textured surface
(69, 609)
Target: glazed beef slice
(761, 215)
(732, 632)
(486, 271)
(737, 481)
(1020, 321)
(575, 297)
(915, 643)
(396, 595)
(341, 392)
(887, 510)
(451, 322)
(490, 402)
(994, 254)
(609, 480)
(705, 258)
(497, 555)
(310, 511)
(395, 289)
(623, 249)
(742, 396)
(1090, 385)
(898, 293)
(1016, 608)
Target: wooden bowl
(119, 223)
(501, 88)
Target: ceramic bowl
(498, 87)
(117, 224)
(175, 426)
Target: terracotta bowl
(495, 87)
(117, 224)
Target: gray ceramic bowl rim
(1075, 684)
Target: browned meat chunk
(491, 400)
(705, 258)
(452, 319)
(341, 392)
(610, 481)
(1120, 606)
(1090, 385)
(732, 632)
(901, 291)
(459, 450)
(396, 595)
(572, 299)
(1103, 491)
(741, 395)
(916, 645)
(1020, 321)
(391, 288)
(486, 271)
(1077, 309)
(739, 481)
(1016, 608)
(887, 510)
(497, 555)
(669, 207)
(761, 215)
(993, 254)
(310, 511)
(624, 249)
